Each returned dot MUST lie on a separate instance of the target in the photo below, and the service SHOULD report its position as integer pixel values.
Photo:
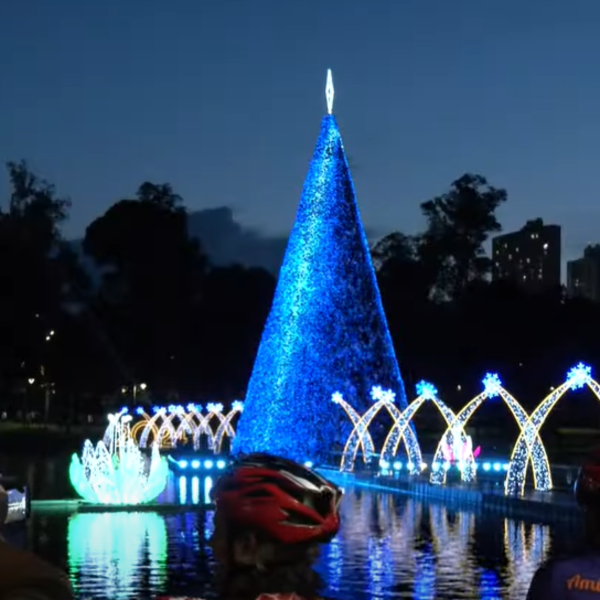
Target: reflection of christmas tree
(327, 331)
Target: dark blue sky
(223, 98)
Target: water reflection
(392, 546)
(526, 551)
(117, 553)
(389, 547)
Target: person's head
(271, 516)
(587, 495)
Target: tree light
(326, 331)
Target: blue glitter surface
(326, 331)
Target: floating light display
(116, 471)
(492, 388)
(529, 448)
(426, 393)
(455, 445)
(175, 425)
(360, 437)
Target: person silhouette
(576, 576)
(24, 576)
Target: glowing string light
(329, 92)
(326, 330)
(116, 471)
(366, 441)
(356, 439)
(225, 427)
(427, 393)
(527, 451)
(173, 425)
(492, 388)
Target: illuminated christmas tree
(326, 331)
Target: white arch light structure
(426, 392)
(174, 425)
(527, 450)
(360, 437)
(492, 388)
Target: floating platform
(544, 506)
(80, 506)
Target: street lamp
(136, 387)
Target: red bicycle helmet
(279, 497)
(587, 485)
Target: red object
(477, 452)
(283, 499)
(587, 485)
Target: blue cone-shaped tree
(326, 331)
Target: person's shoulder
(570, 572)
(580, 560)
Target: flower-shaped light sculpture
(118, 472)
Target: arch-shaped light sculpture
(360, 437)
(173, 425)
(529, 448)
(426, 392)
(492, 388)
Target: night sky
(223, 99)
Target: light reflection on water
(390, 546)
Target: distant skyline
(223, 99)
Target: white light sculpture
(174, 425)
(116, 471)
(366, 441)
(492, 388)
(529, 448)
(225, 427)
(358, 436)
(401, 428)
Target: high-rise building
(529, 257)
(583, 275)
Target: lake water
(390, 546)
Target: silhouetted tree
(152, 281)
(459, 222)
(36, 269)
